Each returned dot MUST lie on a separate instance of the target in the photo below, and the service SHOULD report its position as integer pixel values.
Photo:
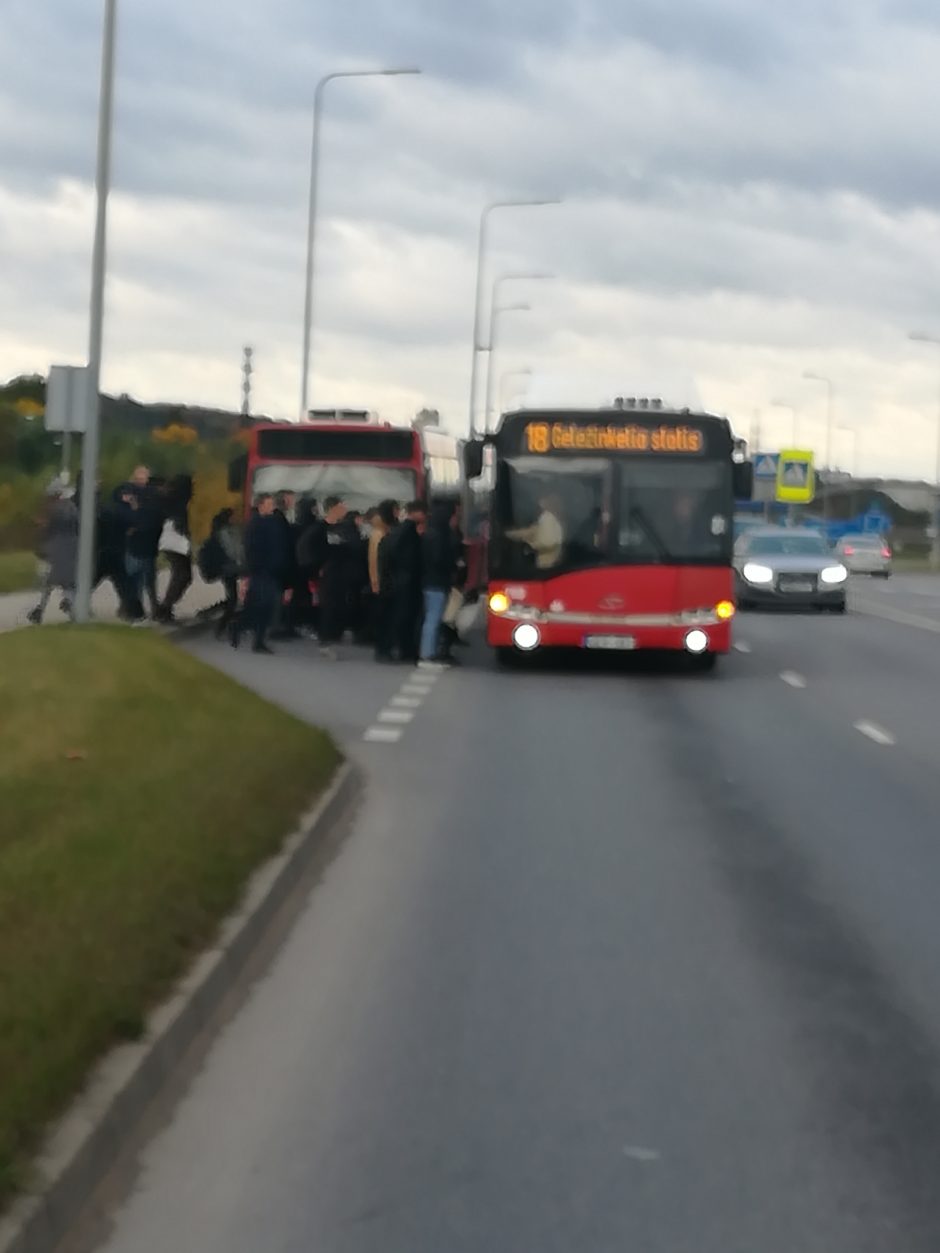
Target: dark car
(788, 566)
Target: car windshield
(360, 486)
(572, 513)
(786, 545)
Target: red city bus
(612, 530)
(363, 461)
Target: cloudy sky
(751, 191)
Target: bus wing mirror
(473, 458)
(238, 473)
(743, 480)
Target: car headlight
(834, 574)
(755, 573)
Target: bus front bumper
(534, 634)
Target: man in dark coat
(143, 539)
(404, 575)
(439, 574)
(265, 565)
(335, 543)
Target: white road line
(874, 732)
(742, 647)
(383, 735)
(406, 702)
(401, 716)
(901, 616)
(424, 676)
(412, 689)
(793, 679)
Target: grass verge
(138, 790)
(17, 572)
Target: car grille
(794, 582)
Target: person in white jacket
(546, 536)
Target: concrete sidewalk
(16, 605)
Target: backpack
(211, 559)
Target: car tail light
(849, 550)
(886, 552)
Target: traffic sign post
(796, 477)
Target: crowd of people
(390, 578)
(393, 579)
(144, 519)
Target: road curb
(95, 1133)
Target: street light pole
(830, 413)
(785, 404)
(91, 440)
(477, 346)
(494, 298)
(312, 213)
(920, 338)
(491, 349)
(504, 379)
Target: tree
(426, 417)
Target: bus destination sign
(663, 438)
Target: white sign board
(67, 399)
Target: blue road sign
(765, 465)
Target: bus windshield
(564, 513)
(361, 486)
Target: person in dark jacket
(285, 510)
(58, 547)
(439, 573)
(265, 565)
(404, 564)
(143, 540)
(227, 556)
(175, 543)
(334, 551)
(304, 614)
(380, 582)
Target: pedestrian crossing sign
(796, 477)
(765, 465)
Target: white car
(865, 554)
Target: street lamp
(506, 377)
(478, 302)
(312, 211)
(830, 408)
(86, 541)
(919, 337)
(785, 404)
(488, 349)
(852, 432)
(491, 349)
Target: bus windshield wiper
(639, 515)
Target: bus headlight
(499, 602)
(526, 637)
(755, 573)
(834, 574)
(696, 642)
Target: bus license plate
(611, 643)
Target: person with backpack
(221, 559)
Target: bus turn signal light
(499, 602)
(724, 611)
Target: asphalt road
(613, 960)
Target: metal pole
(935, 542)
(477, 315)
(491, 350)
(478, 301)
(312, 215)
(311, 244)
(90, 443)
(830, 408)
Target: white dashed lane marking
(401, 716)
(792, 679)
(401, 709)
(875, 733)
(383, 735)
